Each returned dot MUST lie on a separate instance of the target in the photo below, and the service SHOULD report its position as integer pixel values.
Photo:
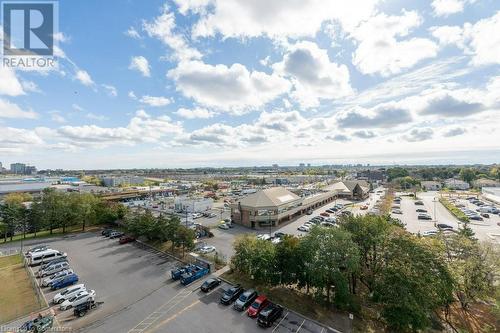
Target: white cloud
(57, 117)
(77, 107)
(380, 52)
(382, 116)
(142, 128)
(313, 75)
(194, 6)
(111, 90)
(456, 131)
(277, 19)
(9, 84)
(448, 7)
(162, 27)
(61, 37)
(196, 113)
(480, 40)
(419, 134)
(155, 101)
(84, 78)
(131, 94)
(11, 110)
(97, 117)
(232, 88)
(141, 65)
(30, 86)
(17, 138)
(133, 33)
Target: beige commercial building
(274, 206)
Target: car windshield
(255, 305)
(243, 297)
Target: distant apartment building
(371, 175)
(431, 185)
(124, 180)
(456, 184)
(22, 169)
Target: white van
(41, 257)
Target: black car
(269, 314)
(107, 232)
(231, 294)
(245, 300)
(210, 284)
(421, 210)
(279, 234)
(444, 226)
(419, 203)
(476, 217)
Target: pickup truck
(194, 274)
(176, 273)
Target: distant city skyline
(212, 83)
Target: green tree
(467, 175)
(412, 283)
(396, 172)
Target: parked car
(443, 226)
(245, 300)
(421, 210)
(207, 249)
(52, 269)
(35, 249)
(327, 224)
(419, 203)
(429, 233)
(424, 217)
(309, 212)
(210, 284)
(116, 234)
(476, 218)
(197, 215)
(64, 282)
(260, 303)
(107, 232)
(68, 293)
(397, 211)
(325, 214)
(264, 237)
(80, 298)
(304, 228)
(54, 262)
(126, 239)
(486, 215)
(279, 234)
(231, 294)
(269, 314)
(223, 226)
(59, 275)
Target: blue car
(64, 282)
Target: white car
(197, 215)
(223, 226)
(304, 228)
(207, 249)
(264, 237)
(48, 280)
(68, 293)
(80, 298)
(276, 240)
(429, 233)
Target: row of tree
(468, 174)
(20, 213)
(371, 259)
(161, 229)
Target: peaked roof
(274, 196)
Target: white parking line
(281, 321)
(300, 326)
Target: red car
(126, 239)
(260, 303)
(325, 214)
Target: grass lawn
(56, 232)
(17, 297)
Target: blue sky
(233, 82)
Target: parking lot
(483, 230)
(139, 295)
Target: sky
(195, 83)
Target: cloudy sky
(234, 82)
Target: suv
(245, 300)
(231, 294)
(68, 293)
(259, 304)
(56, 268)
(268, 315)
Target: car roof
(261, 298)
